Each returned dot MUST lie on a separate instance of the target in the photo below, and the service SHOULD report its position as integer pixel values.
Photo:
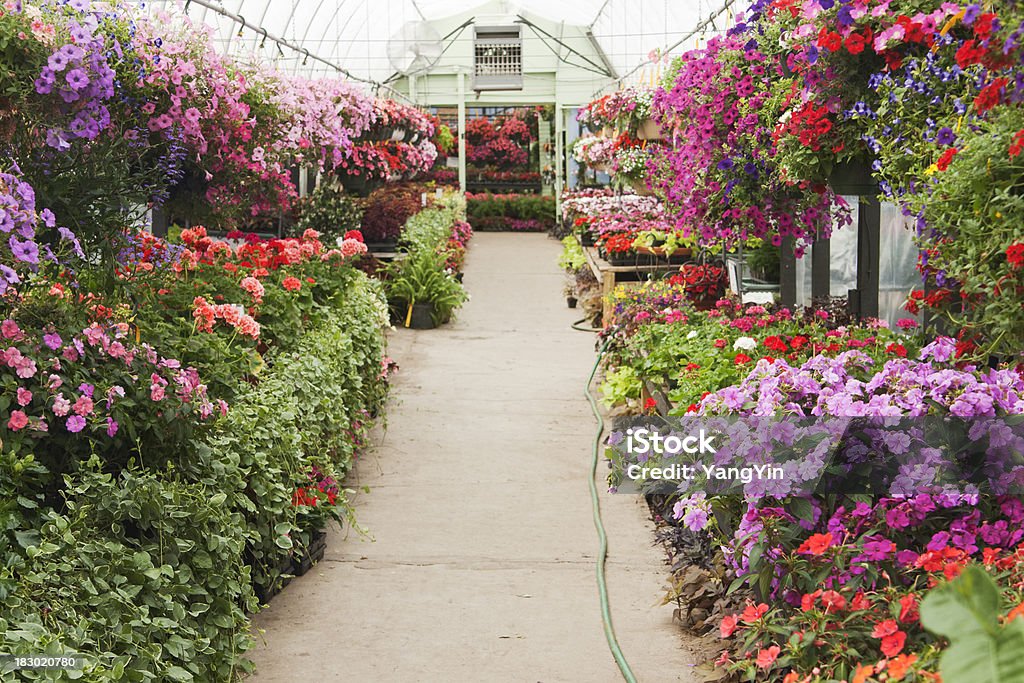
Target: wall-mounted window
(498, 58)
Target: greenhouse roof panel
(354, 34)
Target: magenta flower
(75, 423)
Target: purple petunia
(9, 275)
(945, 136)
(77, 79)
(24, 250)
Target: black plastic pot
(459, 276)
(314, 553)
(853, 178)
(570, 301)
(383, 246)
(587, 239)
(422, 317)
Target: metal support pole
(559, 157)
(869, 231)
(787, 273)
(821, 264)
(461, 77)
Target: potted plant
(424, 294)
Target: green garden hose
(602, 586)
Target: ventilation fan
(415, 49)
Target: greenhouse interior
(425, 340)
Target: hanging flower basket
(640, 187)
(649, 130)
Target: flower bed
(178, 417)
(435, 240)
(510, 212)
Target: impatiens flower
(83, 406)
(893, 644)
(10, 330)
(767, 656)
(728, 625)
(24, 396)
(61, 405)
(816, 544)
(75, 423)
(112, 427)
(753, 612)
(17, 421)
(52, 341)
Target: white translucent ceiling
(354, 34)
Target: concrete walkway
(482, 563)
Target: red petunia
(1017, 144)
(816, 544)
(830, 40)
(855, 43)
(946, 159)
(989, 95)
(969, 54)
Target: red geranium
(292, 284)
(1015, 255)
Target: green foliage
(572, 258)
(496, 211)
(966, 611)
(620, 385)
(329, 211)
(422, 279)
(150, 567)
(143, 573)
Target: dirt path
(482, 563)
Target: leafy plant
(422, 279)
(329, 211)
(966, 611)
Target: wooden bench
(611, 276)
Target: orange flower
(862, 672)
(1015, 612)
(899, 667)
(816, 544)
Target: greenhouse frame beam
(243, 22)
(603, 70)
(696, 30)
